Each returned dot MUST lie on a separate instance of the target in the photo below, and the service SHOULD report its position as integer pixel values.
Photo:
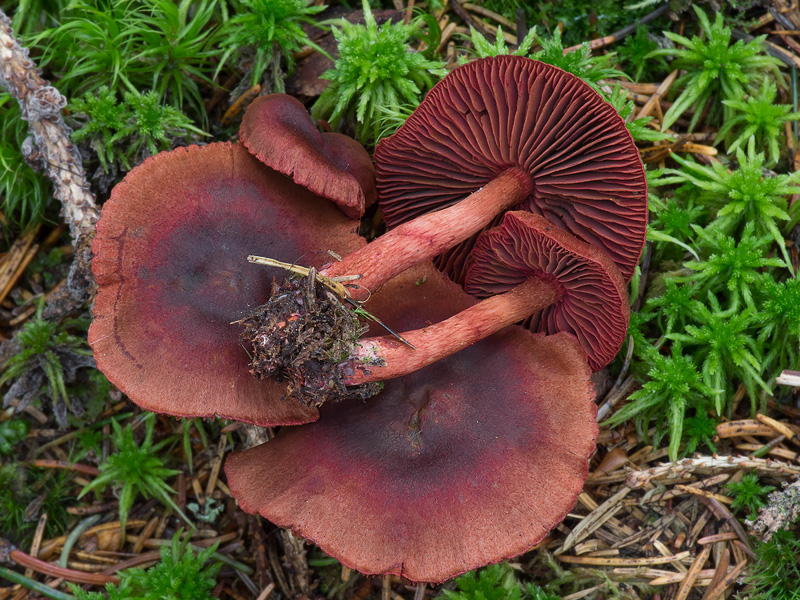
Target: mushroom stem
(431, 234)
(381, 358)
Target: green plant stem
(794, 100)
(73, 537)
(243, 568)
(29, 583)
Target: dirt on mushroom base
(302, 335)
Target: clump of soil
(304, 335)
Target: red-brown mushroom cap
(593, 302)
(447, 469)
(170, 259)
(279, 131)
(509, 111)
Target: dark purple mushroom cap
(509, 111)
(593, 303)
(279, 131)
(170, 260)
(469, 461)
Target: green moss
(375, 70)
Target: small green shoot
(182, 574)
(697, 430)
(273, 30)
(25, 493)
(186, 434)
(735, 266)
(672, 221)
(776, 568)
(748, 494)
(761, 117)
(581, 62)
(172, 43)
(136, 468)
(93, 45)
(635, 51)
(674, 307)
(495, 582)
(484, 48)
(375, 69)
(46, 356)
(726, 348)
(714, 68)
(638, 128)
(12, 432)
(674, 386)
(24, 193)
(151, 127)
(745, 195)
(125, 133)
(780, 324)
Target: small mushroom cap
(510, 111)
(447, 469)
(279, 131)
(170, 260)
(594, 302)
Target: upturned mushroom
(170, 265)
(529, 268)
(466, 462)
(277, 130)
(495, 134)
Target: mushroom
(466, 462)
(539, 272)
(170, 265)
(278, 130)
(494, 134)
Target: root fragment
(304, 335)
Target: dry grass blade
(777, 426)
(15, 261)
(624, 562)
(704, 493)
(661, 90)
(703, 577)
(691, 576)
(594, 520)
(718, 537)
(749, 427)
(727, 581)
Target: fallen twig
(41, 106)
(683, 469)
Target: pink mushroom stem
(381, 358)
(431, 234)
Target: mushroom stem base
(299, 336)
(381, 358)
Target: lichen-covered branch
(783, 510)
(50, 146)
